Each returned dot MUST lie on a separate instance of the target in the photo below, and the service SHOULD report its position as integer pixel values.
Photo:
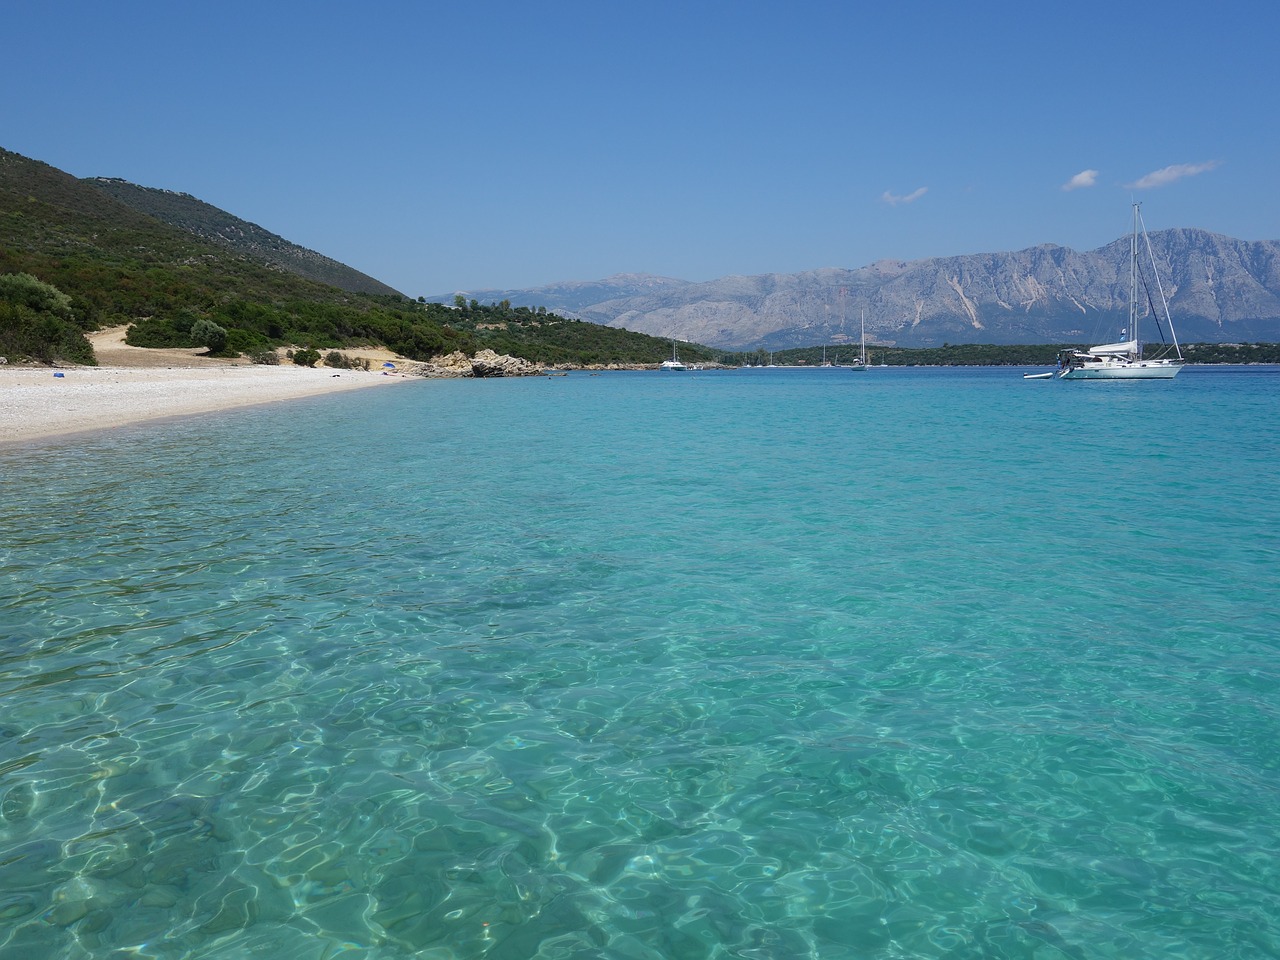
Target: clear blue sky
(485, 144)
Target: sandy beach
(134, 385)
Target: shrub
(36, 322)
(157, 332)
(206, 333)
(307, 357)
(24, 290)
(25, 333)
(342, 362)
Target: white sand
(35, 404)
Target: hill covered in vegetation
(206, 221)
(114, 264)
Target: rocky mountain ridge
(1219, 289)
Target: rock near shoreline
(486, 363)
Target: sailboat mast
(1132, 332)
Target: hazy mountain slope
(119, 263)
(571, 296)
(1220, 290)
(210, 223)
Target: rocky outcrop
(456, 364)
(486, 363)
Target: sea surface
(910, 663)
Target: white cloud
(1167, 175)
(893, 199)
(1085, 178)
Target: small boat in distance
(674, 363)
(861, 365)
(1124, 360)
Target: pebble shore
(40, 402)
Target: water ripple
(793, 692)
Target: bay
(770, 663)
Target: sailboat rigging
(861, 365)
(674, 363)
(1124, 360)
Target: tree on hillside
(206, 333)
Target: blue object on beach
(59, 374)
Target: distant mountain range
(1220, 290)
(206, 221)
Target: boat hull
(1140, 370)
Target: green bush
(24, 290)
(307, 358)
(206, 333)
(246, 342)
(37, 323)
(157, 332)
(342, 362)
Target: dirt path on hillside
(111, 350)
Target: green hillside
(116, 265)
(209, 223)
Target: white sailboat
(674, 363)
(1124, 360)
(861, 365)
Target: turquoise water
(764, 664)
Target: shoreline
(40, 403)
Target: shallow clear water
(765, 664)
